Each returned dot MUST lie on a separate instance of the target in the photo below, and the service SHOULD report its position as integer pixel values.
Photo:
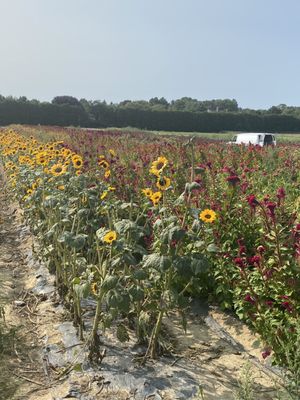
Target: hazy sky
(138, 49)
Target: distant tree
(274, 110)
(70, 100)
(155, 100)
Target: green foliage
(246, 385)
(185, 114)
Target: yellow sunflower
(110, 237)
(158, 166)
(163, 183)
(77, 161)
(94, 288)
(147, 192)
(58, 169)
(155, 197)
(41, 158)
(107, 174)
(103, 195)
(103, 163)
(208, 215)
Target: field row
(142, 223)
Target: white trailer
(259, 139)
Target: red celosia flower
(244, 186)
(281, 193)
(242, 247)
(266, 353)
(268, 274)
(254, 260)
(271, 208)
(253, 203)
(239, 262)
(233, 179)
(261, 249)
(249, 299)
(288, 306)
(269, 303)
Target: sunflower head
(155, 197)
(158, 166)
(77, 161)
(94, 288)
(147, 192)
(110, 237)
(58, 169)
(163, 183)
(208, 215)
(103, 163)
(107, 173)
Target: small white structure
(258, 139)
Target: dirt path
(40, 344)
(22, 371)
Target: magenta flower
(281, 193)
(250, 299)
(269, 303)
(233, 179)
(253, 203)
(266, 353)
(261, 249)
(240, 262)
(271, 208)
(255, 260)
(288, 306)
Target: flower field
(143, 224)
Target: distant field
(281, 137)
(58, 133)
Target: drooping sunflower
(163, 182)
(103, 195)
(94, 288)
(158, 166)
(110, 237)
(155, 197)
(208, 215)
(107, 173)
(147, 192)
(103, 163)
(58, 169)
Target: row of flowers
(144, 236)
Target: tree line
(185, 114)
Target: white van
(259, 139)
